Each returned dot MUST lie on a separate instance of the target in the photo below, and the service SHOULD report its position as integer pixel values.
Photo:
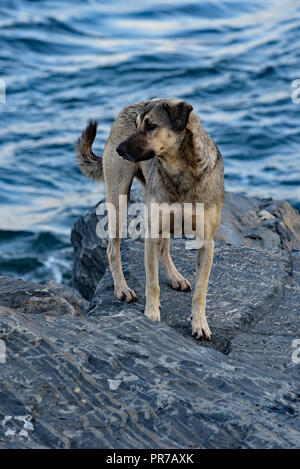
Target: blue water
(66, 61)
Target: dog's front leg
(152, 253)
(205, 255)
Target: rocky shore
(83, 370)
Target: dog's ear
(178, 114)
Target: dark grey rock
(114, 379)
(250, 294)
(90, 259)
(121, 381)
(241, 225)
(31, 297)
(270, 342)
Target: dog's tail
(90, 164)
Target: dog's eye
(150, 126)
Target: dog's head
(160, 130)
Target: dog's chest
(183, 189)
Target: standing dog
(163, 144)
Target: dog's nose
(121, 149)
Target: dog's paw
(125, 294)
(200, 329)
(179, 283)
(153, 314)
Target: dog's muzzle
(122, 150)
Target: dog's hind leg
(116, 192)
(177, 281)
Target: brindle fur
(176, 161)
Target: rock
(30, 297)
(269, 342)
(247, 287)
(265, 215)
(90, 259)
(71, 295)
(111, 378)
(171, 391)
(241, 225)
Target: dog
(162, 143)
